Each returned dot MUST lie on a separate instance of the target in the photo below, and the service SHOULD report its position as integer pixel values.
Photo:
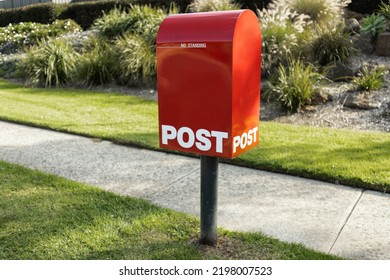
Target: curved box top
(200, 27)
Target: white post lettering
(168, 132)
(250, 137)
(255, 129)
(219, 139)
(236, 143)
(180, 137)
(244, 140)
(204, 143)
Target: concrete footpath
(345, 221)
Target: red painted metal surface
(208, 71)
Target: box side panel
(246, 83)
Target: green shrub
(9, 16)
(40, 13)
(137, 60)
(49, 63)
(295, 84)
(134, 33)
(384, 9)
(213, 5)
(15, 36)
(374, 24)
(331, 46)
(370, 78)
(113, 24)
(97, 64)
(138, 20)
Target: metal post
(208, 199)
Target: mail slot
(208, 73)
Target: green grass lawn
(354, 158)
(46, 217)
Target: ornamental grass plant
(138, 60)
(289, 26)
(369, 79)
(296, 84)
(331, 46)
(282, 34)
(326, 13)
(49, 63)
(97, 64)
(139, 19)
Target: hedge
(85, 13)
(40, 13)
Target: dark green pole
(208, 200)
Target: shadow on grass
(8, 86)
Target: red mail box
(208, 72)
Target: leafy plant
(370, 78)
(295, 84)
(330, 46)
(112, 24)
(139, 20)
(374, 24)
(134, 34)
(213, 5)
(384, 9)
(49, 63)
(97, 64)
(138, 60)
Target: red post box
(208, 71)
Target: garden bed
(336, 112)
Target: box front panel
(194, 97)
